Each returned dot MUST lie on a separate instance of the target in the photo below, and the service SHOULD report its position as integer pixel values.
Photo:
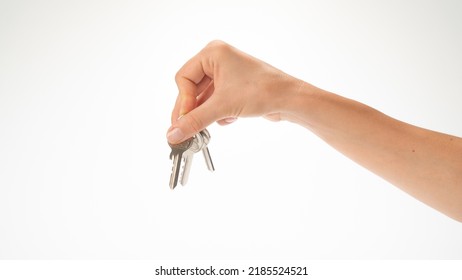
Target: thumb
(192, 123)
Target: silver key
(177, 155)
(195, 147)
(182, 155)
(205, 150)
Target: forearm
(424, 163)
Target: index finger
(191, 79)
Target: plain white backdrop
(86, 91)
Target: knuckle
(218, 47)
(178, 76)
(216, 43)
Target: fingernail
(175, 135)
(230, 120)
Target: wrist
(297, 100)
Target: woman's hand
(221, 84)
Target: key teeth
(180, 176)
(172, 179)
(182, 170)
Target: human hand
(221, 84)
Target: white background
(86, 91)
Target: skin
(222, 84)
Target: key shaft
(205, 150)
(208, 158)
(175, 169)
(177, 153)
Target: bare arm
(426, 164)
(221, 84)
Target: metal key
(177, 155)
(205, 150)
(182, 155)
(196, 146)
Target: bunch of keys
(182, 155)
